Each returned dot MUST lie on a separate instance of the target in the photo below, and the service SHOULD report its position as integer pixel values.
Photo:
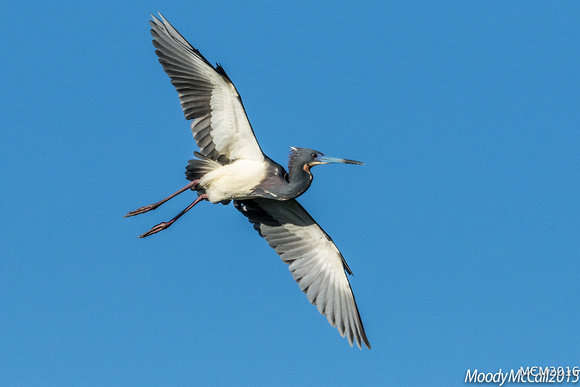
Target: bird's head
(307, 158)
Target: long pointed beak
(333, 160)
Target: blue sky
(462, 228)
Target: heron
(231, 166)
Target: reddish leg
(153, 206)
(164, 225)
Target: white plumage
(233, 181)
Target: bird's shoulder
(274, 183)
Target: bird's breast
(233, 181)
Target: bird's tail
(196, 168)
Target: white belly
(233, 181)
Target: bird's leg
(153, 206)
(164, 225)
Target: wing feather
(314, 261)
(207, 96)
(338, 309)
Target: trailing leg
(164, 225)
(153, 206)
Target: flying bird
(231, 166)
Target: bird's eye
(314, 155)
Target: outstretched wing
(315, 261)
(221, 127)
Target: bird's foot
(155, 229)
(141, 210)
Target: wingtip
(365, 340)
(362, 340)
(158, 19)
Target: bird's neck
(299, 179)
